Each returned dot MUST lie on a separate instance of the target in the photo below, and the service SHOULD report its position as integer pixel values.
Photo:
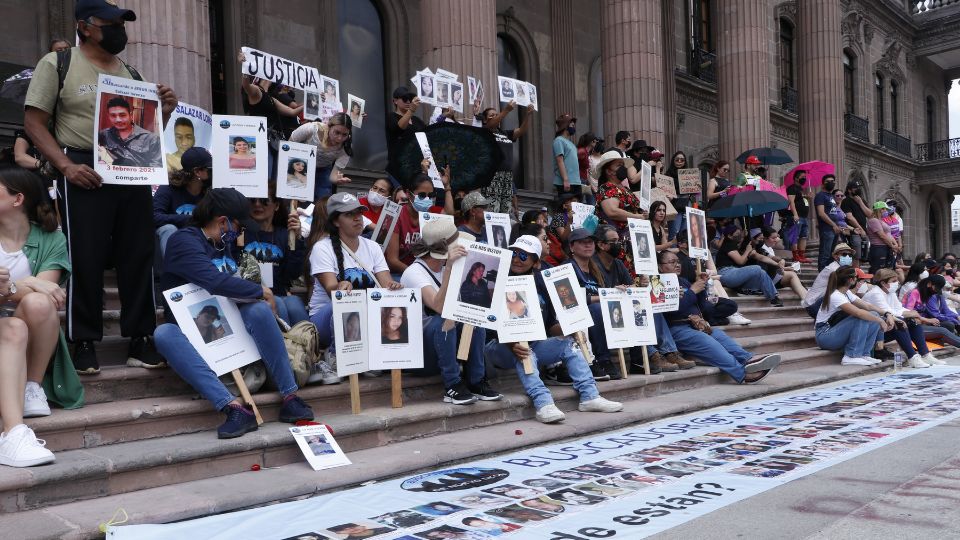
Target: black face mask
(622, 173)
(829, 186)
(114, 38)
(801, 181)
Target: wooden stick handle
(354, 394)
(245, 393)
(527, 363)
(396, 388)
(466, 338)
(292, 236)
(646, 362)
(582, 341)
(623, 363)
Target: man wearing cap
(749, 175)
(566, 166)
(842, 256)
(173, 204)
(98, 219)
(823, 203)
(404, 119)
(473, 210)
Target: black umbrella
(748, 204)
(471, 152)
(15, 87)
(767, 156)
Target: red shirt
(373, 212)
(408, 232)
(583, 159)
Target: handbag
(837, 317)
(699, 323)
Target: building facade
(862, 84)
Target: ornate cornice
(787, 9)
(695, 97)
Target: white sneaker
(550, 414)
(739, 319)
(600, 404)
(916, 361)
(21, 448)
(933, 360)
(855, 361)
(35, 401)
(323, 372)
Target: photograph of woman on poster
(393, 326)
(516, 305)
(475, 289)
(241, 154)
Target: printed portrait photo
(356, 113)
(403, 519)
(243, 152)
(331, 90)
(643, 245)
(356, 531)
(351, 327)
(520, 514)
(129, 132)
(517, 307)
(296, 173)
(394, 327)
(639, 315)
(532, 90)
(439, 508)
(311, 109)
(456, 95)
(318, 445)
(425, 88)
(184, 138)
(698, 232)
(575, 497)
(384, 229)
(210, 321)
(476, 281)
(565, 291)
(443, 92)
(506, 89)
(444, 532)
(658, 290)
(616, 314)
(499, 237)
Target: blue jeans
(164, 232)
(751, 277)
(855, 336)
(323, 320)
(545, 353)
(322, 186)
(598, 335)
(440, 353)
(190, 366)
(678, 224)
(825, 255)
(947, 336)
(880, 257)
(717, 349)
(804, 231)
(291, 309)
(907, 338)
(665, 343)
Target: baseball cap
(212, 311)
(530, 244)
(863, 275)
(231, 203)
(343, 202)
(752, 160)
(196, 157)
(842, 247)
(104, 9)
(579, 234)
(403, 92)
(474, 199)
(880, 205)
(437, 236)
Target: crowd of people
(196, 231)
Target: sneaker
(664, 365)
(373, 373)
(295, 409)
(20, 447)
(599, 373)
(739, 319)
(763, 363)
(882, 354)
(458, 394)
(556, 376)
(600, 404)
(484, 392)
(933, 360)
(143, 353)
(85, 358)
(751, 292)
(240, 420)
(321, 371)
(916, 361)
(674, 358)
(776, 301)
(855, 361)
(35, 401)
(755, 377)
(654, 360)
(550, 414)
(613, 370)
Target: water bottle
(897, 361)
(711, 293)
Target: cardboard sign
(355, 108)
(383, 232)
(580, 213)
(263, 65)
(475, 295)
(128, 130)
(498, 229)
(188, 126)
(395, 327)
(319, 446)
(697, 233)
(425, 217)
(664, 293)
(296, 171)
(665, 184)
(432, 172)
(350, 331)
(239, 151)
(213, 326)
(644, 194)
(521, 318)
(627, 318)
(689, 180)
(569, 299)
(644, 246)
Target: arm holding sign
(433, 299)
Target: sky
(953, 104)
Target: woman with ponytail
(846, 322)
(333, 140)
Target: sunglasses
(406, 99)
(424, 195)
(522, 255)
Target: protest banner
(664, 293)
(697, 234)
(644, 194)
(127, 127)
(239, 151)
(261, 65)
(689, 180)
(665, 184)
(475, 296)
(432, 171)
(319, 447)
(643, 245)
(498, 228)
(351, 339)
(425, 217)
(386, 224)
(395, 329)
(356, 107)
(188, 126)
(568, 298)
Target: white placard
(442, 92)
(355, 108)
(475, 295)
(319, 447)
(330, 92)
(627, 318)
(279, 70)
(532, 96)
(395, 327)
(569, 299)
(498, 228)
(505, 89)
(580, 213)
(350, 331)
(426, 83)
(643, 245)
(522, 318)
(644, 193)
(296, 171)
(239, 148)
(449, 75)
(311, 105)
(472, 87)
(266, 274)
(213, 326)
(425, 217)
(188, 126)
(697, 233)
(664, 293)
(456, 96)
(432, 171)
(520, 91)
(386, 224)
(128, 126)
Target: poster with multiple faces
(664, 293)
(296, 171)
(521, 318)
(395, 328)
(644, 246)
(697, 234)
(498, 228)
(129, 133)
(475, 295)
(627, 317)
(521, 92)
(569, 299)
(350, 332)
(239, 151)
(188, 126)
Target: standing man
(403, 119)
(829, 230)
(622, 140)
(125, 143)
(100, 220)
(799, 210)
(854, 206)
(749, 174)
(566, 167)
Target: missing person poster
(330, 103)
(521, 318)
(188, 126)
(442, 91)
(128, 128)
(664, 293)
(456, 96)
(432, 171)
(534, 101)
(311, 105)
(425, 82)
(386, 224)
(475, 295)
(395, 327)
(213, 326)
(689, 180)
(239, 151)
(697, 233)
(350, 331)
(355, 108)
(296, 169)
(472, 84)
(644, 194)
(261, 65)
(627, 318)
(426, 217)
(569, 299)
(319, 447)
(506, 91)
(644, 246)
(498, 229)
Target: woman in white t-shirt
(436, 250)
(334, 268)
(857, 329)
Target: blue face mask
(422, 205)
(846, 260)
(230, 235)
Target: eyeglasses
(522, 255)
(671, 262)
(406, 99)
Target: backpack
(303, 348)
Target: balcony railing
(703, 65)
(895, 142)
(856, 127)
(949, 149)
(788, 99)
(926, 6)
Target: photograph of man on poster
(185, 138)
(132, 140)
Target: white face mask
(894, 286)
(863, 288)
(375, 198)
(924, 274)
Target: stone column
(563, 58)
(170, 44)
(821, 83)
(669, 81)
(461, 36)
(743, 61)
(632, 66)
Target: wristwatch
(11, 292)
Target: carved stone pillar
(821, 82)
(563, 57)
(669, 81)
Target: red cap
(863, 275)
(752, 160)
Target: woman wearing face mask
(846, 322)
(407, 231)
(918, 299)
(582, 247)
(928, 300)
(658, 222)
(718, 184)
(173, 204)
(917, 271)
(615, 204)
(566, 168)
(909, 330)
(883, 247)
(376, 198)
(734, 264)
(333, 140)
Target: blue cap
(104, 9)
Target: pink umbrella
(816, 170)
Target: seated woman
(909, 330)
(735, 268)
(376, 199)
(845, 322)
(435, 253)
(937, 323)
(421, 199)
(724, 311)
(196, 254)
(173, 204)
(33, 263)
(765, 240)
(581, 246)
(526, 258)
(694, 337)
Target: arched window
(849, 70)
(786, 54)
(894, 106)
(878, 83)
(931, 119)
(508, 65)
(361, 73)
